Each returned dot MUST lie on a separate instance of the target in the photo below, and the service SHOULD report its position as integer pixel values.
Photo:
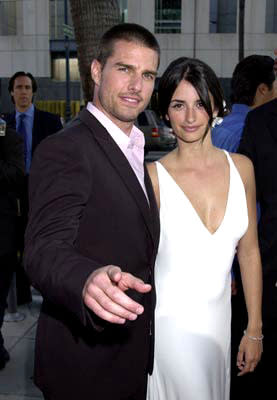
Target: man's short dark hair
(128, 32)
(17, 75)
(248, 75)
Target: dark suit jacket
(88, 210)
(259, 143)
(45, 124)
(11, 180)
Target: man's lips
(131, 99)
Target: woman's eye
(177, 106)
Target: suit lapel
(10, 119)
(121, 165)
(36, 130)
(153, 208)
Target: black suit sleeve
(247, 144)
(11, 162)
(59, 186)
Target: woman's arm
(152, 170)
(250, 350)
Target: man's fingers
(129, 281)
(104, 294)
(100, 312)
(114, 301)
(114, 273)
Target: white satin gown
(193, 283)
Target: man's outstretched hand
(104, 294)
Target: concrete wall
(29, 49)
(219, 50)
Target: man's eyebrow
(22, 85)
(120, 64)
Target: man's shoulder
(8, 117)
(263, 110)
(46, 115)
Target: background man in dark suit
(259, 143)
(11, 178)
(93, 234)
(33, 125)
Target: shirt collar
(136, 137)
(29, 112)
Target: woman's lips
(191, 128)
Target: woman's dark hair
(200, 76)
(248, 75)
(17, 75)
(128, 32)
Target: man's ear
(96, 71)
(262, 89)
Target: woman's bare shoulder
(244, 166)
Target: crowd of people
(134, 262)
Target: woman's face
(188, 117)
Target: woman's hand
(249, 354)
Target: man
(253, 84)
(259, 143)
(11, 178)
(33, 125)
(93, 234)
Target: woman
(208, 212)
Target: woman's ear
(215, 113)
(167, 117)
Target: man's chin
(130, 116)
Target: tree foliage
(91, 18)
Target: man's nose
(135, 83)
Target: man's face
(22, 93)
(123, 87)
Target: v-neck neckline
(192, 206)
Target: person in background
(253, 84)
(93, 234)
(11, 179)
(33, 125)
(259, 143)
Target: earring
(216, 121)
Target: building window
(58, 69)
(56, 19)
(223, 16)
(271, 16)
(7, 18)
(123, 7)
(168, 16)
